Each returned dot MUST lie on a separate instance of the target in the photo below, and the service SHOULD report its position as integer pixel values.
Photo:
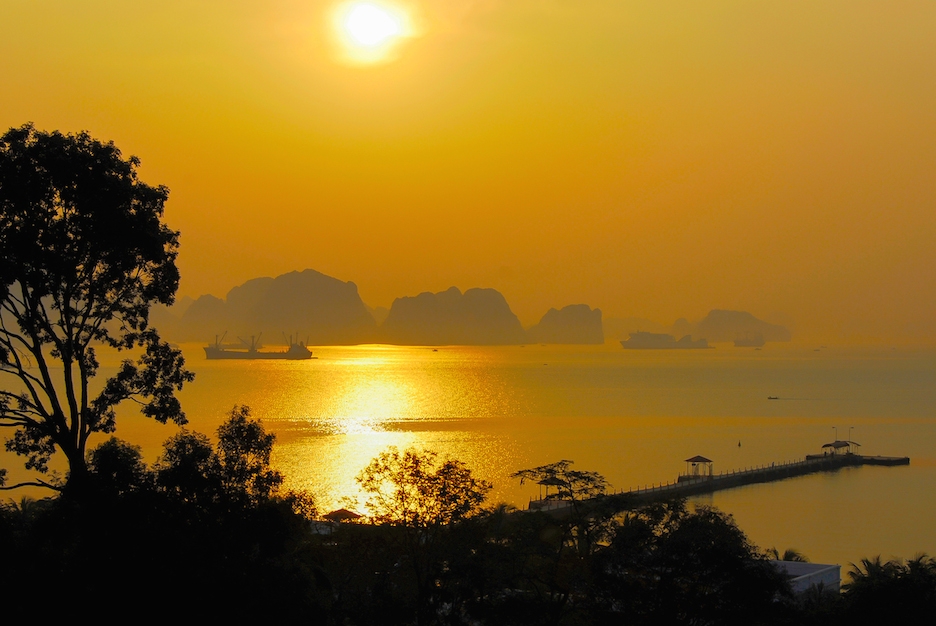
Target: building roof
(796, 569)
(698, 459)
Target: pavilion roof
(551, 480)
(341, 515)
(698, 459)
(841, 444)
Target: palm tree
(892, 591)
(790, 554)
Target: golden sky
(652, 158)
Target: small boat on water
(772, 398)
(251, 350)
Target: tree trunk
(78, 479)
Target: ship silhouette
(251, 350)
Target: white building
(805, 575)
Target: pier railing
(688, 485)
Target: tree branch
(17, 369)
(20, 371)
(48, 386)
(32, 483)
(19, 417)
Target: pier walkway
(686, 485)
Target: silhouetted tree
(236, 473)
(527, 570)
(187, 469)
(85, 255)
(588, 521)
(666, 565)
(790, 554)
(243, 458)
(415, 491)
(117, 468)
(205, 534)
(891, 592)
(422, 500)
(575, 486)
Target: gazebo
(839, 447)
(699, 467)
(550, 481)
(341, 515)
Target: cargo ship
(251, 350)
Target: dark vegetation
(205, 532)
(208, 533)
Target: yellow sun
(369, 31)
(370, 25)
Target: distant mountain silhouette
(477, 317)
(573, 324)
(327, 311)
(721, 325)
(319, 308)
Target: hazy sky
(652, 158)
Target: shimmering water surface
(633, 416)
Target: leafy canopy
(569, 484)
(233, 475)
(415, 490)
(85, 255)
(238, 471)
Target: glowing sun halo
(370, 30)
(370, 25)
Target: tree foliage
(587, 522)
(85, 255)
(243, 457)
(187, 537)
(573, 485)
(891, 591)
(235, 473)
(117, 468)
(424, 503)
(186, 470)
(790, 555)
(413, 489)
(667, 565)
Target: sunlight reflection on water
(334, 414)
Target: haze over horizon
(650, 159)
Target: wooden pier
(691, 485)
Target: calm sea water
(633, 416)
